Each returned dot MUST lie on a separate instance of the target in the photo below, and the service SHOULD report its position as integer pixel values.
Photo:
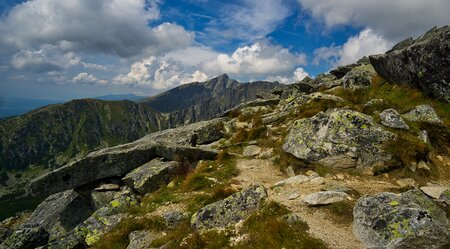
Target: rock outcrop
(230, 210)
(409, 220)
(339, 138)
(150, 176)
(422, 63)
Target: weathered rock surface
(359, 76)
(141, 239)
(423, 113)
(251, 150)
(101, 198)
(391, 118)
(294, 180)
(5, 233)
(297, 100)
(434, 191)
(230, 210)
(60, 213)
(445, 197)
(408, 221)
(114, 161)
(150, 176)
(26, 238)
(422, 63)
(325, 198)
(338, 138)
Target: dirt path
(337, 236)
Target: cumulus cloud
(259, 59)
(251, 19)
(87, 79)
(298, 75)
(365, 43)
(159, 73)
(394, 20)
(106, 26)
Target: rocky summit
(358, 157)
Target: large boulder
(60, 213)
(112, 162)
(230, 210)
(422, 63)
(26, 238)
(150, 176)
(409, 220)
(338, 138)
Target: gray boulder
(325, 198)
(60, 213)
(141, 239)
(422, 63)
(150, 176)
(408, 221)
(26, 238)
(423, 113)
(360, 76)
(101, 198)
(231, 210)
(391, 118)
(339, 138)
(251, 150)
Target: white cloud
(259, 59)
(87, 79)
(105, 26)
(251, 19)
(47, 58)
(356, 47)
(159, 73)
(298, 75)
(394, 20)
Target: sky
(59, 50)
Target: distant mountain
(113, 97)
(54, 134)
(13, 106)
(18, 106)
(205, 100)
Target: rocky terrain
(354, 158)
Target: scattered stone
(434, 191)
(340, 177)
(294, 196)
(423, 113)
(420, 63)
(407, 182)
(150, 176)
(423, 135)
(26, 238)
(266, 154)
(374, 102)
(391, 118)
(295, 180)
(251, 151)
(317, 181)
(290, 171)
(141, 239)
(445, 197)
(99, 199)
(325, 198)
(173, 218)
(423, 165)
(60, 213)
(311, 173)
(408, 220)
(231, 210)
(107, 187)
(292, 218)
(338, 138)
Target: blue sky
(53, 49)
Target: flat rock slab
(434, 191)
(231, 210)
(408, 220)
(150, 176)
(111, 162)
(325, 198)
(251, 151)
